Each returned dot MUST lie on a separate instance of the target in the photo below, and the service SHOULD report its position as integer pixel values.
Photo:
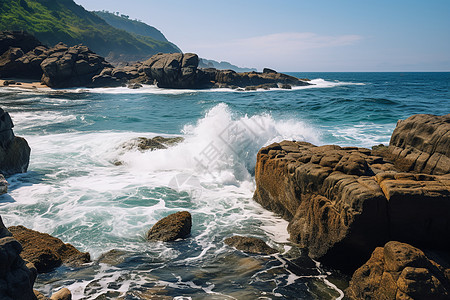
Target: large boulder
(399, 271)
(14, 151)
(47, 252)
(178, 70)
(173, 227)
(71, 66)
(342, 202)
(16, 277)
(173, 70)
(421, 144)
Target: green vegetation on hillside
(53, 21)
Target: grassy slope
(52, 21)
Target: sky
(303, 36)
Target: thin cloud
(286, 46)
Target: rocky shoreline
(343, 202)
(382, 214)
(61, 66)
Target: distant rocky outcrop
(14, 151)
(47, 252)
(342, 202)
(62, 66)
(16, 276)
(399, 271)
(173, 227)
(249, 245)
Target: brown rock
(47, 252)
(173, 227)
(339, 211)
(62, 294)
(399, 271)
(421, 144)
(250, 245)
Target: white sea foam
(153, 89)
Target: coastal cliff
(342, 202)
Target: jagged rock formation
(71, 66)
(249, 245)
(173, 227)
(344, 202)
(47, 252)
(14, 151)
(421, 144)
(61, 66)
(16, 276)
(399, 271)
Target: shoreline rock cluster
(61, 66)
(343, 202)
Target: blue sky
(322, 35)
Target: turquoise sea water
(76, 191)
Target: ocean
(88, 187)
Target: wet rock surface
(16, 278)
(14, 151)
(47, 252)
(249, 245)
(173, 227)
(399, 271)
(158, 142)
(342, 202)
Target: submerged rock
(249, 244)
(342, 202)
(399, 271)
(16, 277)
(158, 142)
(173, 227)
(47, 252)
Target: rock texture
(173, 227)
(47, 252)
(399, 271)
(421, 144)
(249, 244)
(181, 71)
(20, 55)
(14, 151)
(158, 142)
(16, 278)
(71, 66)
(3, 185)
(344, 202)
